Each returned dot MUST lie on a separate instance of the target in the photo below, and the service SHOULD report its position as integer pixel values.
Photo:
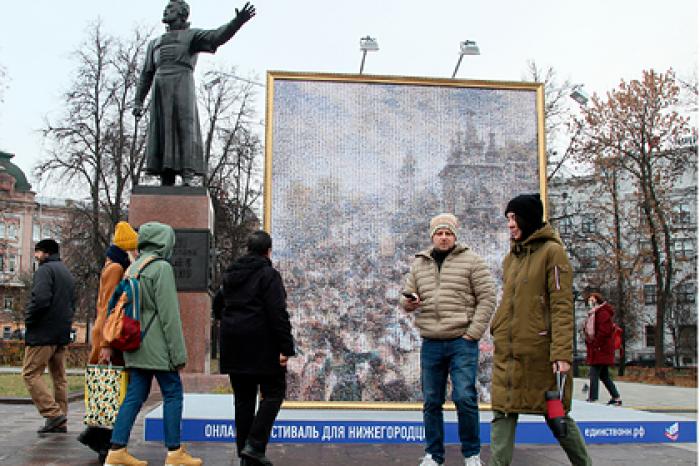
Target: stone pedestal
(190, 212)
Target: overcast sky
(596, 43)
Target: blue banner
(290, 431)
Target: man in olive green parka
(532, 330)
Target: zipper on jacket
(509, 382)
(438, 272)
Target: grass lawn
(13, 385)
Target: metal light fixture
(467, 47)
(579, 95)
(367, 44)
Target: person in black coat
(48, 320)
(256, 341)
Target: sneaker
(122, 457)
(428, 461)
(472, 461)
(54, 424)
(614, 402)
(180, 457)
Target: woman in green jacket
(532, 330)
(162, 352)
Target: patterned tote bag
(105, 389)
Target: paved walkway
(647, 397)
(21, 446)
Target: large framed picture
(355, 167)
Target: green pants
(503, 439)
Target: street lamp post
(467, 47)
(367, 44)
(579, 95)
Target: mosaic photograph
(355, 168)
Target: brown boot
(180, 457)
(122, 457)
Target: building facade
(24, 220)
(581, 209)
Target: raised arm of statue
(210, 40)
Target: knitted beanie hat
(125, 237)
(528, 211)
(117, 254)
(444, 220)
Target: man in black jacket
(256, 341)
(48, 319)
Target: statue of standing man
(174, 141)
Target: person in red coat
(600, 349)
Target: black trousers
(251, 427)
(600, 371)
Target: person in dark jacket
(600, 350)
(48, 320)
(256, 341)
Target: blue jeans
(459, 358)
(137, 392)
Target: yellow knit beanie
(125, 237)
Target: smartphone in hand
(410, 296)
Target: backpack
(122, 328)
(617, 336)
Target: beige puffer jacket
(458, 300)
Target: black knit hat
(528, 212)
(117, 254)
(48, 246)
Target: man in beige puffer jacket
(452, 290)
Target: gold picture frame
(355, 167)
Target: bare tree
(23, 296)
(682, 318)
(95, 146)
(75, 240)
(3, 83)
(125, 160)
(689, 91)
(557, 113)
(233, 154)
(635, 129)
(4, 79)
(604, 245)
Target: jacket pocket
(534, 322)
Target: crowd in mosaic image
(354, 341)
